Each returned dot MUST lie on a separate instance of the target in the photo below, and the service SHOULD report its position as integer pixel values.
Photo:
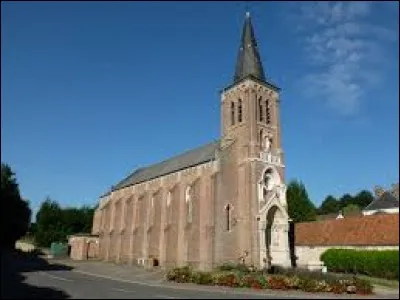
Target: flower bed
(283, 280)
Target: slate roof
(375, 230)
(248, 59)
(385, 201)
(185, 160)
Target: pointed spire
(248, 60)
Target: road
(78, 285)
(35, 278)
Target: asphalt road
(77, 285)
(35, 278)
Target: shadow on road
(13, 263)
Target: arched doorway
(273, 220)
(273, 234)
(276, 237)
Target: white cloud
(345, 47)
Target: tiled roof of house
(385, 201)
(375, 230)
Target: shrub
(263, 281)
(181, 275)
(234, 267)
(201, 278)
(308, 285)
(277, 282)
(292, 282)
(252, 280)
(363, 286)
(383, 264)
(308, 281)
(338, 287)
(226, 267)
(226, 278)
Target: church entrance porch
(273, 221)
(274, 239)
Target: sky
(91, 91)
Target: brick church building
(215, 203)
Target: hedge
(375, 263)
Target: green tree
(15, 211)
(351, 210)
(363, 198)
(78, 220)
(33, 229)
(54, 223)
(329, 205)
(345, 200)
(50, 227)
(300, 207)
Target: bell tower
(252, 163)
(250, 105)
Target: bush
(253, 281)
(263, 282)
(292, 282)
(226, 267)
(363, 286)
(226, 278)
(307, 281)
(181, 275)
(382, 264)
(242, 268)
(202, 278)
(338, 287)
(308, 285)
(277, 282)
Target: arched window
(240, 111)
(260, 110)
(267, 112)
(228, 213)
(232, 113)
(260, 137)
(189, 204)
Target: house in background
(366, 232)
(385, 202)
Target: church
(221, 202)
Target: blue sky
(92, 90)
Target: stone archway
(273, 220)
(274, 241)
(276, 232)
